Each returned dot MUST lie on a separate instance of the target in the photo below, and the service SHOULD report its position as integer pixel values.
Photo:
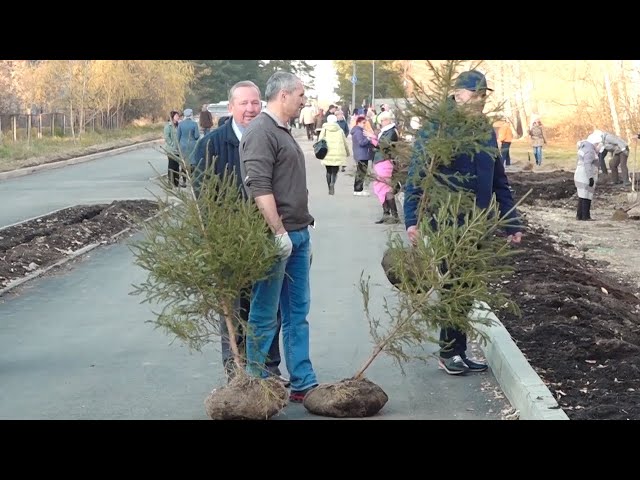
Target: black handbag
(320, 149)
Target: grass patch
(23, 154)
(554, 154)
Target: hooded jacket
(337, 146)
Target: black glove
(591, 182)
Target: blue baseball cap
(472, 80)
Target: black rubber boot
(586, 209)
(393, 208)
(386, 213)
(579, 211)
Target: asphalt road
(116, 177)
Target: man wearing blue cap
(487, 177)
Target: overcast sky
(325, 79)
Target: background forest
(571, 96)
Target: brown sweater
(205, 120)
(274, 163)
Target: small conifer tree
(200, 251)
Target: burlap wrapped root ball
(389, 264)
(348, 398)
(247, 398)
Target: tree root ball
(347, 398)
(391, 265)
(387, 265)
(246, 398)
(619, 215)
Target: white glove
(284, 244)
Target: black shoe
(454, 365)
(384, 219)
(474, 366)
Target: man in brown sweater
(275, 175)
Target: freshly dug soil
(577, 284)
(347, 398)
(247, 398)
(580, 323)
(39, 243)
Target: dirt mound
(39, 243)
(545, 186)
(557, 189)
(579, 329)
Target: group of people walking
(367, 146)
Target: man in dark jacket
(220, 147)
(487, 177)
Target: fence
(21, 127)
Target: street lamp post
(373, 84)
(353, 88)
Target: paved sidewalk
(76, 345)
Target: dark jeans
(174, 171)
(603, 163)
(621, 160)
(453, 341)
(361, 174)
(310, 127)
(241, 309)
(332, 174)
(458, 345)
(504, 151)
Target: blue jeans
(287, 284)
(537, 152)
(242, 307)
(504, 151)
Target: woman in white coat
(586, 174)
(337, 150)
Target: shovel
(633, 196)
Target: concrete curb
(520, 383)
(72, 161)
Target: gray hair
(243, 83)
(280, 81)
